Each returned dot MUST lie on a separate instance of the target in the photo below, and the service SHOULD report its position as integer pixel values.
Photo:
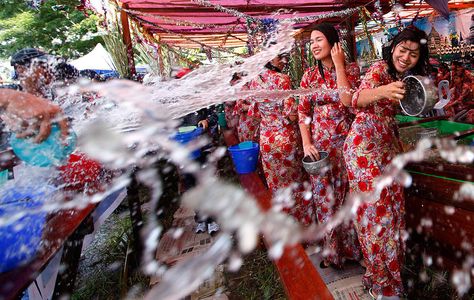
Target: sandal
(324, 264)
(372, 294)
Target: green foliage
(256, 279)
(118, 51)
(57, 27)
(296, 68)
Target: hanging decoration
(226, 10)
(251, 41)
(335, 14)
(185, 37)
(381, 25)
(160, 47)
(397, 9)
(171, 21)
(363, 17)
(441, 6)
(377, 15)
(208, 53)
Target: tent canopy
(224, 22)
(98, 59)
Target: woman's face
(405, 56)
(280, 62)
(457, 80)
(320, 46)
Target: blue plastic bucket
(186, 137)
(20, 239)
(245, 157)
(51, 151)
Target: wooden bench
(432, 197)
(300, 278)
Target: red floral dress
(248, 128)
(232, 120)
(330, 123)
(280, 141)
(371, 144)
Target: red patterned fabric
(370, 145)
(231, 119)
(248, 128)
(280, 142)
(330, 122)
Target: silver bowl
(420, 96)
(427, 133)
(315, 167)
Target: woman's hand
(337, 55)
(310, 150)
(245, 107)
(31, 115)
(393, 91)
(204, 124)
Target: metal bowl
(314, 167)
(420, 96)
(427, 133)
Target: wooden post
(135, 217)
(127, 39)
(70, 260)
(160, 57)
(351, 24)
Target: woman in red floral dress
(280, 145)
(370, 146)
(324, 124)
(232, 119)
(248, 127)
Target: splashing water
(128, 121)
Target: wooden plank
(438, 190)
(445, 169)
(127, 40)
(421, 121)
(300, 278)
(451, 227)
(446, 236)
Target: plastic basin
(20, 238)
(245, 157)
(47, 153)
(80, 172)
(186, 136)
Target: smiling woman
(370, 146)
(324, 122)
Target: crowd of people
(350, 117)
(461, 82)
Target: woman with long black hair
(370, 146)
(324, 123)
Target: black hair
(443, 66)
(65, 71)
(456, 63)
(270, 66)
(24, 56)
(12, 86)
(331, 35)
(90, 74)
(413, 34)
